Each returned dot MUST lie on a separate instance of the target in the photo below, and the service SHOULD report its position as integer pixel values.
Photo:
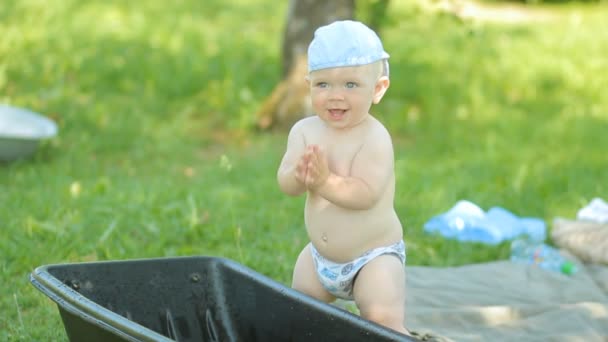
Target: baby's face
(343, 96)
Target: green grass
(155, 155)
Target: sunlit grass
(156, 156)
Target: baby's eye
(322, 85)
(351, 85)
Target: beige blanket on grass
(587, 240)
(503, 301)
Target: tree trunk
(289, 101)
(303, 18)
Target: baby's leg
(305, 277)
(379, 292)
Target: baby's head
(347, 72)
(344, 44)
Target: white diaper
(338, 278)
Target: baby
(343, 159)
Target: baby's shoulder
(307, 124)
(377, 131)
(309, 121)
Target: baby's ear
(381, 86)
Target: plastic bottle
(544, 256)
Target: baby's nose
(336, 94)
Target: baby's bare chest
(340, 155)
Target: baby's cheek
(317, 101)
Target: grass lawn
(155, 155)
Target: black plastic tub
(191, 299)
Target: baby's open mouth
(337, 113)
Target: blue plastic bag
(468, 222)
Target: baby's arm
(292, 171)
(371, 172)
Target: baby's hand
(302, 168)
(318, 169)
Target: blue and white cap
(343, 44)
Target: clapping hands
(312, 169)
